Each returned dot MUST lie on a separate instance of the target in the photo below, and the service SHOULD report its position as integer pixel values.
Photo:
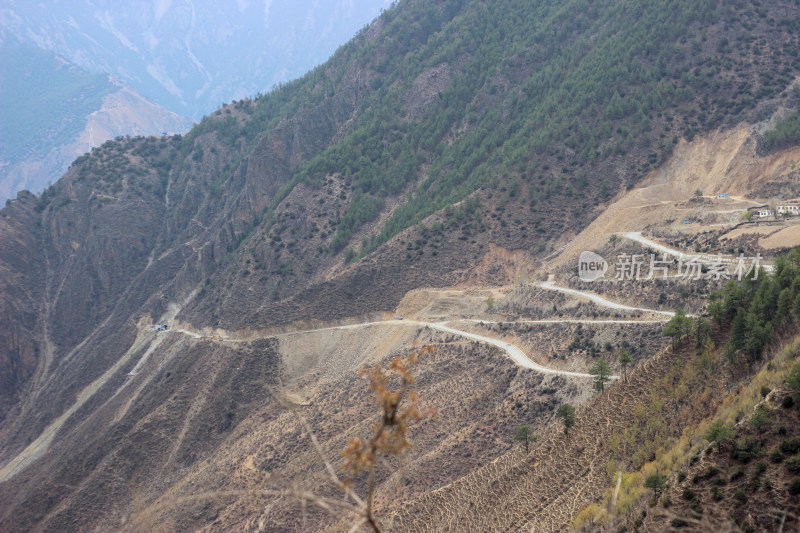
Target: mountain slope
(443, 137)
(548, 144)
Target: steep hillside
(544, 489)
(746, 483)
(36, 87)
(656, 422)
(153, 436)
(450, 144)
(532, 176)
(723, 161)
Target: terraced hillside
(545, 488)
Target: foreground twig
(398, 409)
(318, 448)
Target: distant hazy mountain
(58, 100)
(187, 55)
(52, 111)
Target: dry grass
(682, 453)
(544, 489)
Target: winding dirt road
(706, 259)
(517, 355)
(40, 445)
(599, 300)
(514, 353)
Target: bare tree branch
(318, 448)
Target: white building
(792, 209)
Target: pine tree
(784, 304)
(525, 435)
(625, 360)
(677, 326)
(657, 482)
(601, 370)
(567, 414)
(702, 331)
(738, 331)
(719, 433)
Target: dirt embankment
(443, 304)
(721, 162)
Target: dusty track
(706, 259)
(551, 285)
(514, 353)
(147, 336)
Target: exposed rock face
(426, 87)
(131, 227)
(22, 274)
(190, 59)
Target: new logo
(591, 266)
